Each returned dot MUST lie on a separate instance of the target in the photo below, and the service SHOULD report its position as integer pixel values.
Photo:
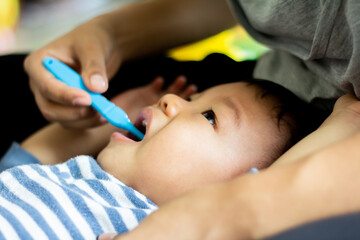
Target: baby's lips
(143, 120)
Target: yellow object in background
(235, 43)
(9, 14)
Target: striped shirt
(72, 200)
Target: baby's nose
(171, 104)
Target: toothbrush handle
(73, 79)
(115, 115)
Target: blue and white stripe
(73, 200)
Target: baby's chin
(117, 156)
(101, 156)
(106, 162)
(106, 156)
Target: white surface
(41, 22)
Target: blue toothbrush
(115, 115)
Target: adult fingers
(93, 66)
(68, 116)
(48, 88)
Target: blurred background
(26, 25)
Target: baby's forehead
(239, 90)
(257, 96)
(226, 89)
(251, 98)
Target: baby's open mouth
(140, 124)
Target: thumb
(93, 68)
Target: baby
(190, 142)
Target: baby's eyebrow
(234, 109)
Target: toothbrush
(114, 114)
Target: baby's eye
(210, 116)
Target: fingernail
(106, 236)
(82, 102)
(97, 81)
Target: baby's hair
(301, 117)
(305, 117)
(293, 115)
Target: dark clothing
(315, 44)
(345, 227)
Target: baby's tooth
(144, 123)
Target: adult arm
(98, 47)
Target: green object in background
(235, 43)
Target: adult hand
(88, 49)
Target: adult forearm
(156, 25)
(324, 184)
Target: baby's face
(217, 135)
